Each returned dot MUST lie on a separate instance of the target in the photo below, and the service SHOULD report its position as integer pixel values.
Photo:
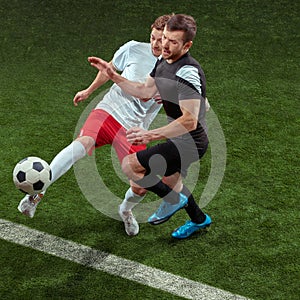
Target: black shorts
(167, 158)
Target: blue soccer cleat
(167, 210)
(190, 227)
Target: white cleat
(130, 223)
(28, 204)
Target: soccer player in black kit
(180, 81)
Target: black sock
(155, 185)
(192, 209)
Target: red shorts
(105, 130)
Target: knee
(126, 168)
(87, 142)
(139, 190)
(132, 168)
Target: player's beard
(166, 54)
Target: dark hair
(184, 23)
(160, 22)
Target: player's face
(173, 45)
(156, 42)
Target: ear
(188, 45)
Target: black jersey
(182, 80)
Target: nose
(165, 44)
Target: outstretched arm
(136, 89)
(100, 79)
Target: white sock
(65, 159)
(131, 200)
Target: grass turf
(250, 53)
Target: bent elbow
(191, 124)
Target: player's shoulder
(188, 59)
(140, 49)
(127, 45)
(189, 63)
(188, 67)
(131, 43)
(140, 46)
(135, 44)
(135, 48)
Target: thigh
(94, 124)
(162, 159)
(122, 146)
(106, 130)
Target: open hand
(137, 136)
(102, 66)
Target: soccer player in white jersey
(108, 122)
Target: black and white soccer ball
(32, 175)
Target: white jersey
(135, 60)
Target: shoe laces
(129, 220)
(186, 226)
(189, 224)
(162, 207)
(128, 217)
(35, 199)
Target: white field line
(111, 264)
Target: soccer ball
(32, 175)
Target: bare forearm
(136, 89)
(178, 127)
(99, 81)
(139, 90)
(182, 125)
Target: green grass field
(250, 54)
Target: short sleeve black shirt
(182, 80)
